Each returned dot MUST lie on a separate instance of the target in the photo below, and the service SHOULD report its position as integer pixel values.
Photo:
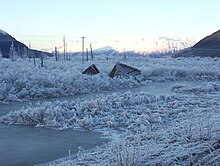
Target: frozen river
(23, 145)
(28, 145)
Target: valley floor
(178, 128)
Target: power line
(46, 36)
(67, 36)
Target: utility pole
(31, 54)
(64, 47)
(83, 37)
(91, 51)
(87, 54)
(125, 56)
(67, 55)
(56, 55)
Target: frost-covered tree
(12, 52)
(24, 53)
(19, 52)
(42, 60)
(1, 56)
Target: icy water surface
(26, 145)
(22, 145)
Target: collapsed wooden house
(124, 70)
(91, 70)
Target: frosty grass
(158, 130)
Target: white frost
(20, 80)
(181, 129)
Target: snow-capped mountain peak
(103, 49)
(148, 45)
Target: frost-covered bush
(133, 110)
(187, 134)
(160, 130)
(111, 111)
(208, 88)
(20, 80)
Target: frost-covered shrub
(163, 130)
(111, 111)
(24, 82)
(134, 110)
(63, 78)
(208, 88)
(124, 152)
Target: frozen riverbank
(163, 129)
(25, 145)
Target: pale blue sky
(109, 19)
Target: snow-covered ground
(157, 130)
(20, 80)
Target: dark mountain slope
(209, 42)
(207, 47)
(6, 42)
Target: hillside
(207, 47)
(5, 44)
(209, 42)
(20, 48)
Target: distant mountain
(207, 47)
(109, 51)
(166, 44)
(153, 47)
(157, 47)
(6, 41)
(146, 46)
(104, 49)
